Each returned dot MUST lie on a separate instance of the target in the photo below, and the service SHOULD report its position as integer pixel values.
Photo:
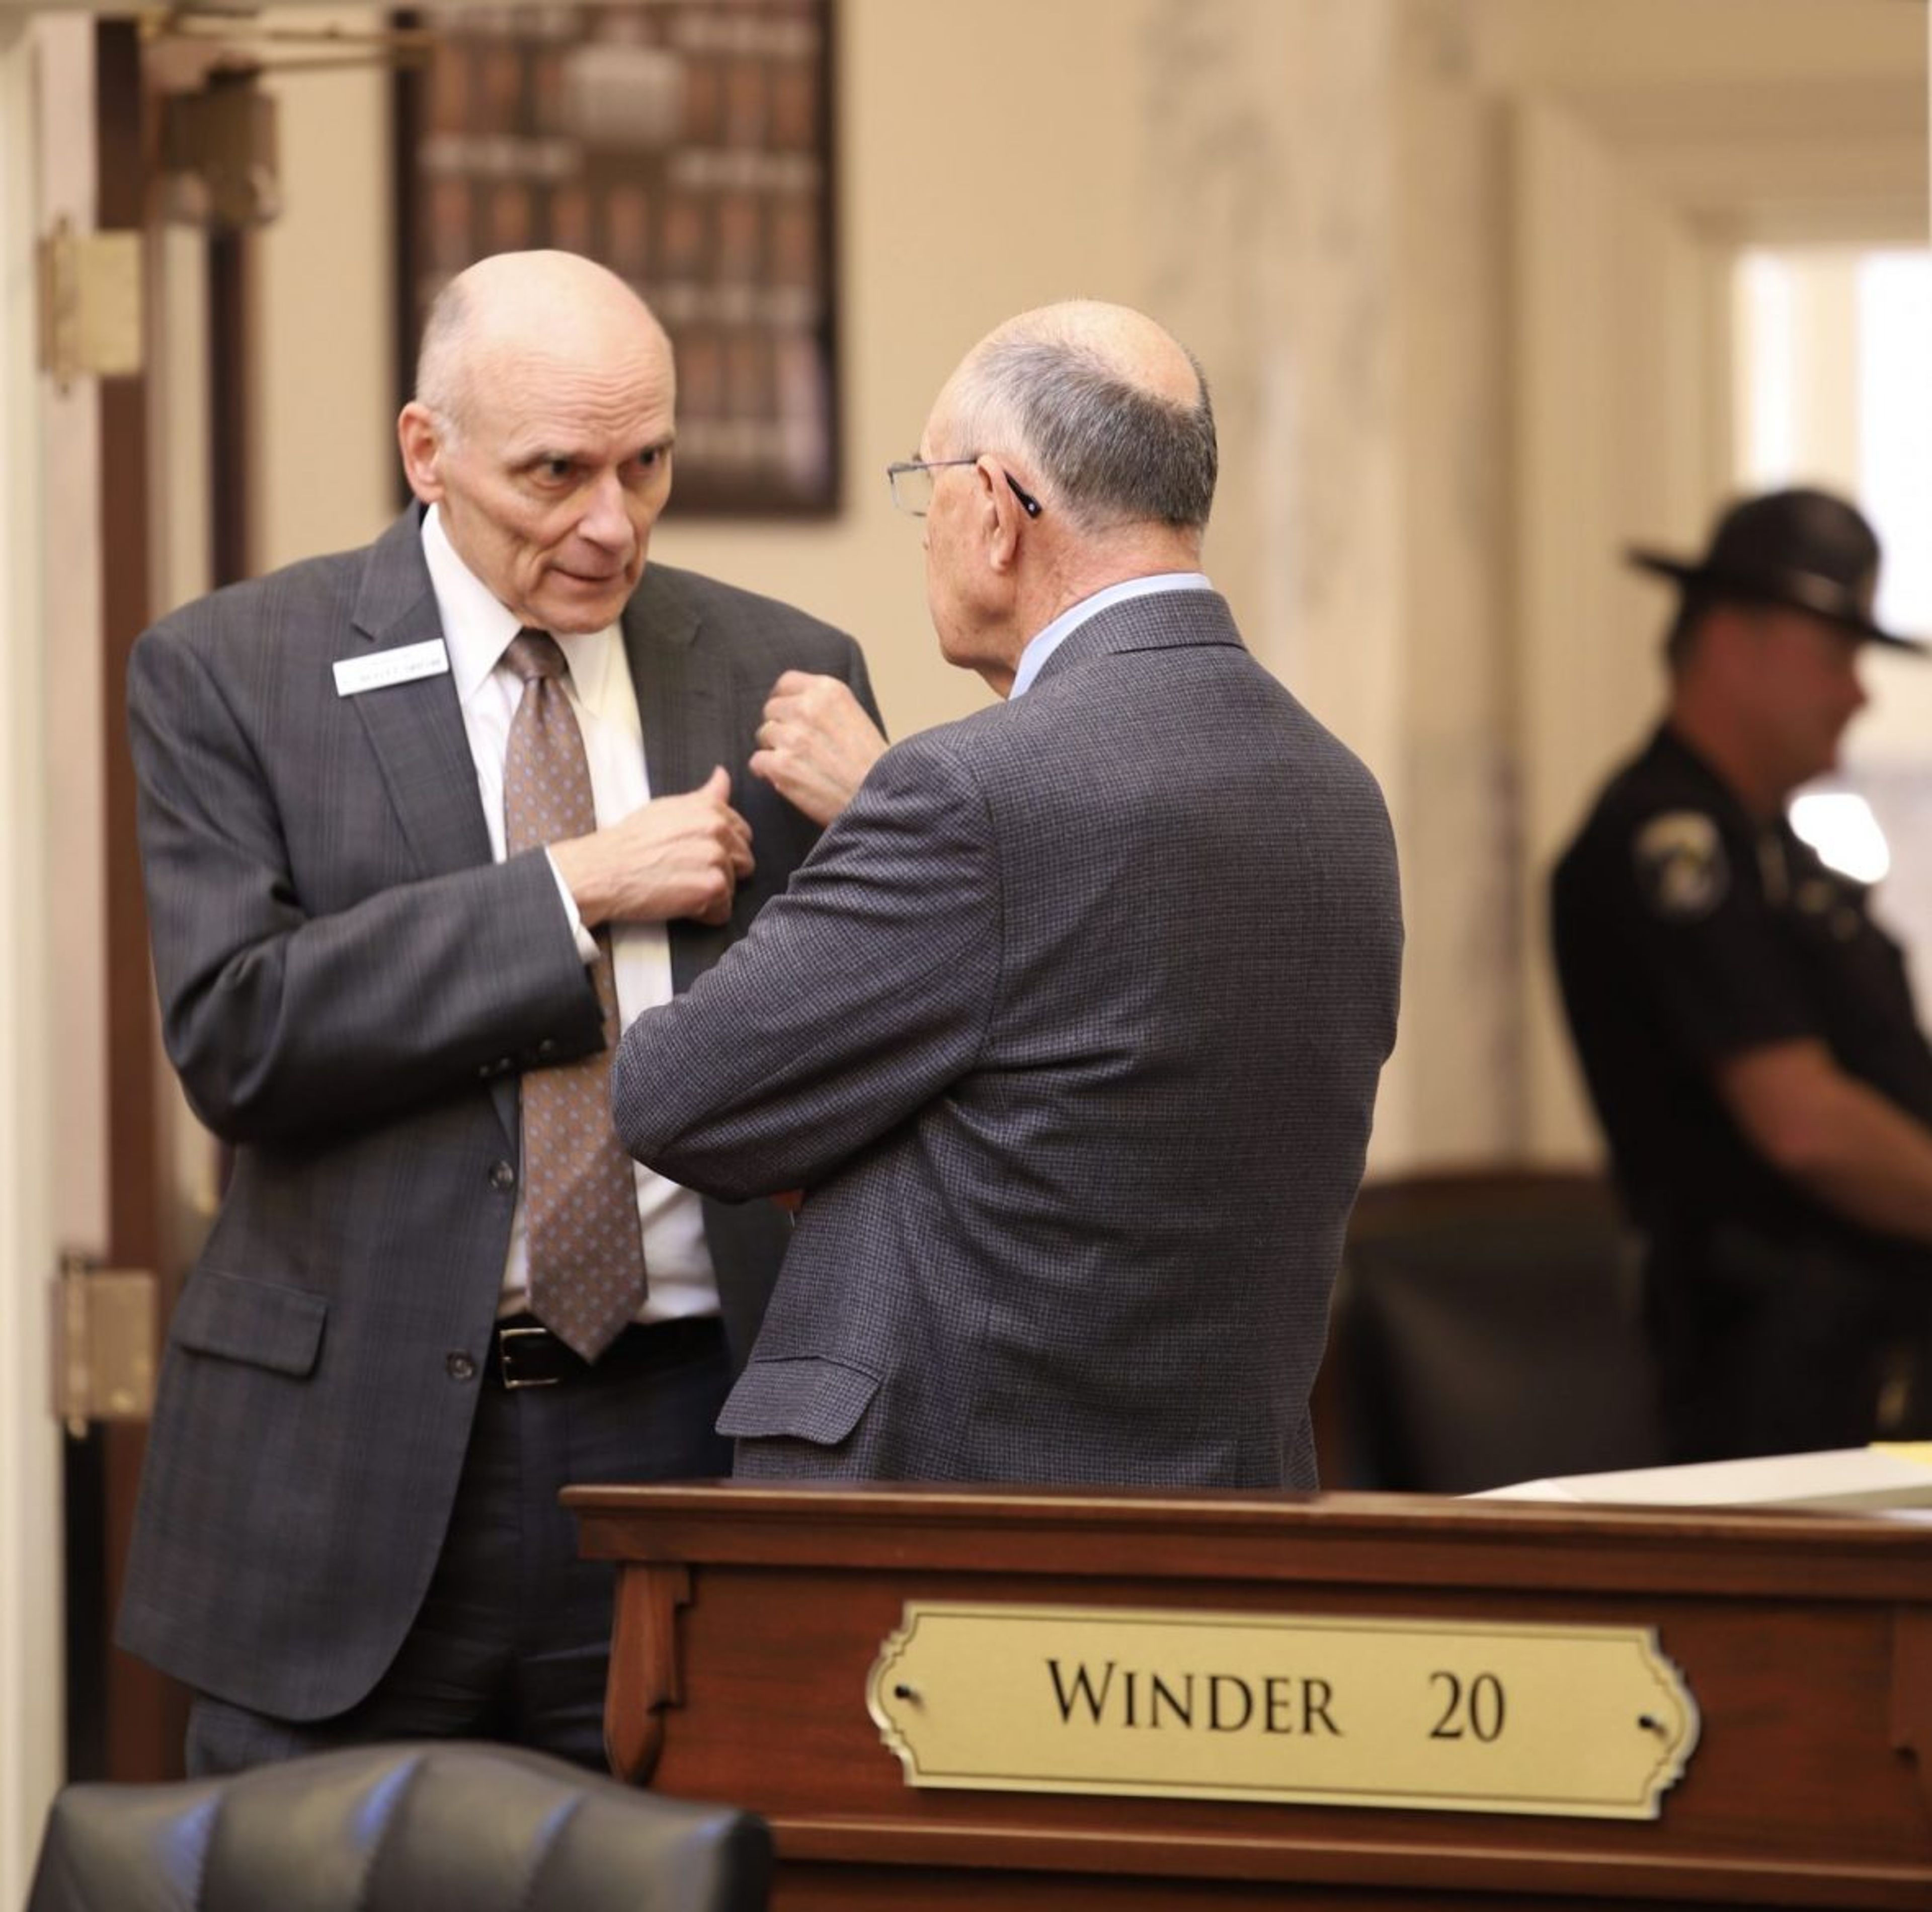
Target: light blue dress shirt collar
(1043, 643)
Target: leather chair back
(1487, 1329)
(450, 1826)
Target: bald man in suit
(369, 956)
(1070, 1027)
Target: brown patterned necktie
(580, 1201)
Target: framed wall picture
(685, 144)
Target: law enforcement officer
(1747, 1031)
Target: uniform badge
(1681, 865)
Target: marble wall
(1459, 269)
(1326, 197)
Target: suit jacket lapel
(683, 687)
(416, 728)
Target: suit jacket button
(503, 1177)
(546, 1049)
(460, 1366)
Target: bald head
(1128, 343)
(515, 305)
(542, 433)
(1111, 412)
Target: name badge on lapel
(353, 675)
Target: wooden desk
(749, 1620)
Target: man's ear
(1005, 517)
(421, 440)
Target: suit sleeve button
(459, 1366)
(503, 1177)
(545, 1050)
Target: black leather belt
(523, 1353)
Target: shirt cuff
(587, 944)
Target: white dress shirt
(477, 630)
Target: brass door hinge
(90, 304)
(105, 1330)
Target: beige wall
(950, 218)
(324, 446)
(1575, 46)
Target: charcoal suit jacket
(350, 989)
(1070, 1028)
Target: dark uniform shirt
(1688, 932)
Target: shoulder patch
(1681, 866)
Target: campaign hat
(1807, 549)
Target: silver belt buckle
(505, 1356)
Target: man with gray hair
(1070, 1029)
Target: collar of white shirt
(1042, 644)
(477, 627)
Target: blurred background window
(1834, 387)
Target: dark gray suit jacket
(350, 988)
(1071, 1028)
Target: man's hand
(674, 856)
(816, 744)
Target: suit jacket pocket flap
(255, 1322)
(809, 1399)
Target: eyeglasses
(911, 481)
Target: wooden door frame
(87, 1709)
(145, 1713)
(31, 1752)
(134, 1718)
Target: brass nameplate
(1456, 1716)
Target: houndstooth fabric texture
(580, 1200)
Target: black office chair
(448, 1826)
(1487, 1329)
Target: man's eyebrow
(566, 454)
